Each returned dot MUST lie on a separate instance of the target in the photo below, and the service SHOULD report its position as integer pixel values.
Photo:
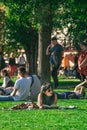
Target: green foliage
(20, 26)
(24, 17)
(72, 15)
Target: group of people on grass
(25, 87)
(28, 87)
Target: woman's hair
(5, 72)
(11, 55)
(53, 39)
(45, 86)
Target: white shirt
(23, 87)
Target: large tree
(44, 11)
(25, 17)
(45, 28)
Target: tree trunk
(43, 59)
(31, 57)
(31, 54)
(45, 30)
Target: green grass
(75, 119)
(67, 82)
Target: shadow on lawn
(67, 83)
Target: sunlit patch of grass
(45, 119)
(53, 119)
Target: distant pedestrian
(22, 60)
(12, 64)
(55, 51)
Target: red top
(82, 56)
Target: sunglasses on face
(50, 90)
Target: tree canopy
(24, 17)
(30, 23)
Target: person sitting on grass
(21, 88)
(79, 92)
(35, 86)
(46, 96)
(7, 82)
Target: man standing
(55, 51)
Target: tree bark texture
(43, 59)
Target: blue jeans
(6, 98)
(64, 95)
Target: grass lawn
(74, 119)
(71, 119)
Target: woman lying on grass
(79, 92)
(47, 97)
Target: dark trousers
(55, 75)
(80, 76)
(65, 95)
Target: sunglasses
(50, 90)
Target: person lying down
(47, 97)
(78, 93)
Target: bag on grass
(26, 105)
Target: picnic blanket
(33, 106)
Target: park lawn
(53, 119)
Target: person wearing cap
(55, 51)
